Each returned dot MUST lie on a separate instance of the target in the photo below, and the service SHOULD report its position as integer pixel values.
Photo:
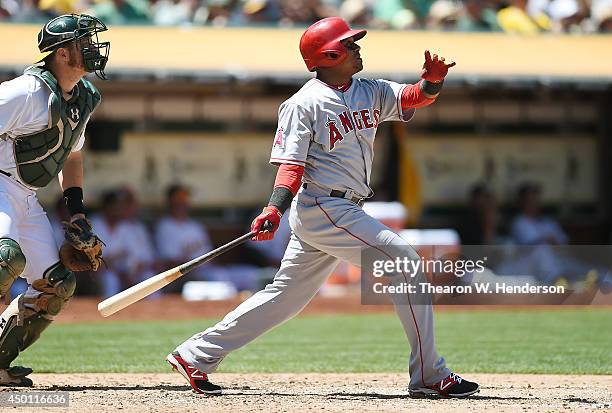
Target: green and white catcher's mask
(74, 27)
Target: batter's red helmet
(324, 37)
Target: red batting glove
(434, 69)
(271, 215)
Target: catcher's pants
(325, 230)
(23, 219)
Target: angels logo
(334, 133)
(279, 140)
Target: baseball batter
(43, 115)
(324, 149)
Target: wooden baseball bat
(139, 291)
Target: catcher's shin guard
(19, 328)
(12, 264)
(27, 317)
(56, 288)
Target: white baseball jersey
(24, 109)
(332, 133)
(128, 249)
(180, 240)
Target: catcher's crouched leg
(27, 317)
(12, 264)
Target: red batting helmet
(324, 37)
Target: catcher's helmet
(320, 44)
(72, 27)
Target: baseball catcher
(43, 115)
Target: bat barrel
(137, 292)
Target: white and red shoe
(451, 386)
(196, 378)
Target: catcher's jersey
(331, 133)
(24, 109)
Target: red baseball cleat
(197, 379)
(451, 386)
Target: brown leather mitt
(82, 249)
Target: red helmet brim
(355, 34)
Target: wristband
(431, 89)
(73, 197)
(281, 199)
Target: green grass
(563, 342)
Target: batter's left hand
(434, 68)
(271, 215)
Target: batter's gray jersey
(331, 133)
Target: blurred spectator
(529, 227)
(479, 225)
(141, 261)
(541, 257)
(601, 12)
(565, 15)
(58, 7)
(219, 12)
(23, 11)
(261, 11)
(443, 15)
(113, 274)
(388, 10)
(359, 13)
(121, 251)
(8, 8)
(173, 12)
(304, 12)
(122, 11)
(477, 16)
(179, 238)
(515, 18)
(420, 8)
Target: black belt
(5, 173)
(339, 194)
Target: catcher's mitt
(82, 249)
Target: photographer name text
(476, 288)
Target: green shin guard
(17, 334)
(26, 318)
(12, 264)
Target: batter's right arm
(289, 151)
(288, 181)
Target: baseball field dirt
(323, 392)
(289, 392)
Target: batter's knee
(56, 287)
(12, 263)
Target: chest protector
(40, 156)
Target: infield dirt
(289, 392)
(321, 392)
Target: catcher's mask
(72, 28)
